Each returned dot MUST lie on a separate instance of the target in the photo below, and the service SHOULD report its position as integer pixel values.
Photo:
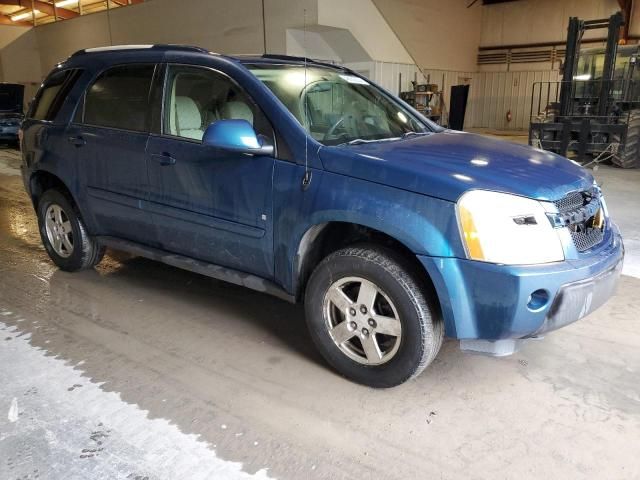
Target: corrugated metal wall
(387, 74)
(491, 94)
(445, 79)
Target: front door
(206, 203)
(110, 133)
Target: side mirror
(236, 136)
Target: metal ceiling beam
(44, 7)
(625, 6)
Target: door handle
(77, 141)
(164, 158)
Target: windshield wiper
(360, 141)
(356, 141)
(412, 133)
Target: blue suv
(308, 182)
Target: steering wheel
(333, 128)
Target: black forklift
(593, 114)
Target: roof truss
(48, 8)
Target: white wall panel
(442, 34)
(389, 75)
(493, 94)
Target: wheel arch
(322, 239)
(43, 180)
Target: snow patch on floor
(62, 425)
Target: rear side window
(119, 98)
(53, 93)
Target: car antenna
(306, 179)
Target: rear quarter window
(53, 93)
(119, 98)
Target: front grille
(572, 201)
(587, 239)
(582, 214)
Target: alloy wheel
(59, 231)
(362, 321)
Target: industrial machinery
(593, 113)
(421, 99)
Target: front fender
(425, 225)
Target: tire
(400, 306)
(79, 251)
(630, 157)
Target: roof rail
(273, 56)
(166, 47)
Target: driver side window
(196, 97)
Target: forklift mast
(593, 114)
(575, 32)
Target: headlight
(508, 229)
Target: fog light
(538, 300)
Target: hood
(447, 164)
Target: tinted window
(197, 97)
(52, 95)
(119, 98)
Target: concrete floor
(138, 370)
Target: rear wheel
(64, 234)
(371, 318)
(630, 157)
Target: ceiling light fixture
(23, 15)
(65, 3)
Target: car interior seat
(185, 119)
(237, 110)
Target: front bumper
(483, 301)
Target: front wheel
(371, 318)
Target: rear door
(110, 134)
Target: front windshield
(336, 107)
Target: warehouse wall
(19, 58)
(236, 28)
(368, 26)
(493, 94)
(534, 21)
(438, 34)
